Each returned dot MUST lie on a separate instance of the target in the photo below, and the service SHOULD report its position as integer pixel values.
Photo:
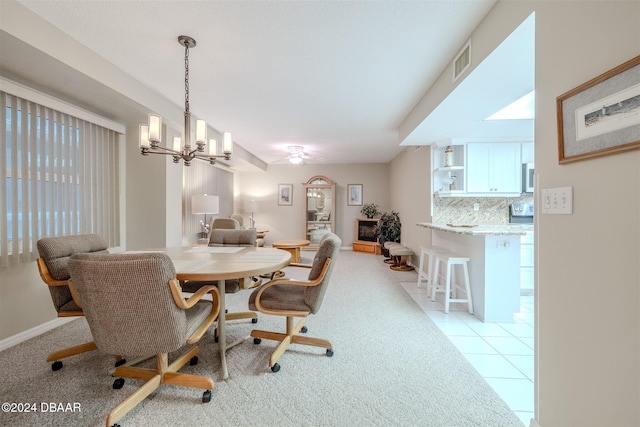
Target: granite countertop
(480, 229)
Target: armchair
(134, 306)
(228, 237)
(296, 298)
(53, 268)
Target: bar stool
(430, 253)
(450, 290)
(388, 246)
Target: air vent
(462, 61)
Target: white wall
(588, 274)
(287, 222)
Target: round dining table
(220, 263)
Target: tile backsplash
(459, 210)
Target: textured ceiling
(337, 77)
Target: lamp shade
(251, 206)
(203, 204)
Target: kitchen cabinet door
(494, 168)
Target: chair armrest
(289, 282)
(46, 276)
(186, 303)
(181, 302)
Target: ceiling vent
(462, 61)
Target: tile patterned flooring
(501, 352)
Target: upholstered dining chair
(225, 223)
(259, 235)
(135, 307)
(293, 298)
(52, 264)
(229, 237)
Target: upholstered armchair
(225, 223)
(229, 237)
(259, 236)
(53, 267)
(135, 307)
(292, 298)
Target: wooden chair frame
(291, 336)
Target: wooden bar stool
(388, 246)
(427, 275)
(401, 254)
(451, 285)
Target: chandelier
(150, 134)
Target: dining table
(220, 263)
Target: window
(60, 178)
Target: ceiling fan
(296, 156)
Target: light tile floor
(501, 352)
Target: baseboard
(34, 332)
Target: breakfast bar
(494, 270)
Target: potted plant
(388, 229)
(370, 210)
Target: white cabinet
(494, 168)
(526, 264)
(449, 179)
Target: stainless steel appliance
(527, 177)
(521, 213)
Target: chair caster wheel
(275, 368)
(120, 362)
(206, 396)
(257, 340)
(329, 352)
(254, 320)
(193, 361)
(56, 366)
(304, 329)
(118, 383)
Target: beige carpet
(392, 367)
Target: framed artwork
(601, 116)
(354, 195)
(285, 194)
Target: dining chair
(231, 238)
(134, 306)
(52, 264)
(225, 223)
(293, 298)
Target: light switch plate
(557, 201)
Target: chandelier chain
(186, 77)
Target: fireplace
(367, 230)
(366, 240)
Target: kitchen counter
(480, 229)
(494, 269)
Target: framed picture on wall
(354, 194)
(285, 194)
(600, 117)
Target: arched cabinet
(319, 208)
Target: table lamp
(251, 206)
(204, 204)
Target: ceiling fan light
(295, 160)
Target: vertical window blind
(59, 177)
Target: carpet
(392, 367)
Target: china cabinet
(319, 208)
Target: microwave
(527, 177)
